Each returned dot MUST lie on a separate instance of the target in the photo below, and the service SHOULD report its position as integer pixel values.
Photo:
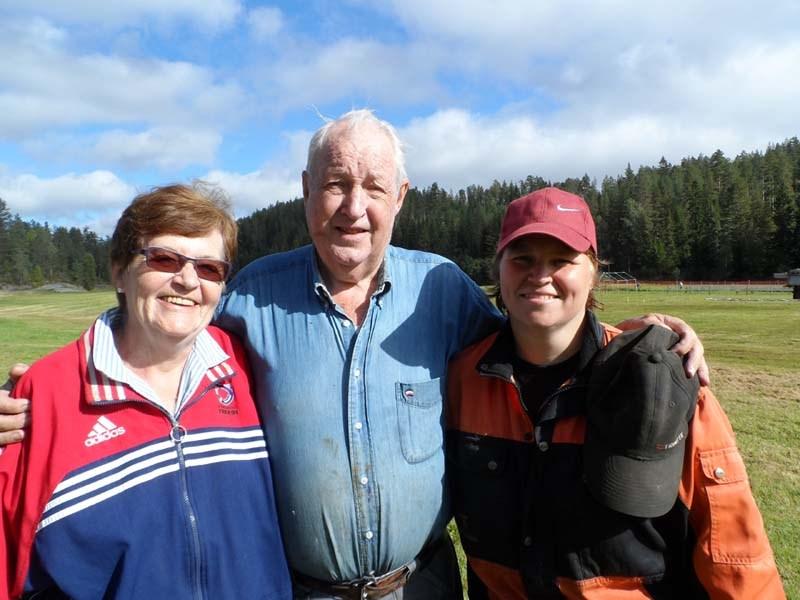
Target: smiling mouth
(537, 297)
(350, 230)
(177, 300)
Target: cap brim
(564, 234)
(640, 488)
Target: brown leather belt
(370, 588)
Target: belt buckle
(371, 583)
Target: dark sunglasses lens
(163, 260)
(212, 270)
(167, 261)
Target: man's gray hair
(352, 120)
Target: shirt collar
(321, 289)
(110, 380)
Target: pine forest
(707, 218)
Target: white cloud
(552, 45)
(278, 180)
(265, 22)
(504, 89)
(259, 189)
(92, 200)
(212, 15)
(364, 72)
(752, 90)
(30, 194)
(48, 86)
(578, 26)
(162, 148)
(455, 148)
(746, 93)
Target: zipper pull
(177, 433)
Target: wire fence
(746, 286)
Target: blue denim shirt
(354, 416)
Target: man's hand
(14, 414)
(688, 346)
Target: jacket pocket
(737, 531)
(486, 486)
(420, 418)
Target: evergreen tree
(37, 277)
(782, 198)
(706, 217)
(88, 277)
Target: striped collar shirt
(110, 376)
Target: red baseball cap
(552, 212)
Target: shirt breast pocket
(420, 418)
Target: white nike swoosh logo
(565, 209)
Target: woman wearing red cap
(586, 468)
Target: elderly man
(349, 340)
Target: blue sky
(100, 100)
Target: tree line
(34, 253)
(705, 218)
(708, 217)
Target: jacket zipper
(514, 383)
(176, 434)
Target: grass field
(752, 344)
(33, 324)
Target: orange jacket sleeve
(732, 557)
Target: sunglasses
(169, 261)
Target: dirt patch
(776, 386)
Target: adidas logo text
(104, 429)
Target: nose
(540, 272)
(187, 276)
(354, 203)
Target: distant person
(680, 284)
(145, 472)
(349, 339)
(583, 463)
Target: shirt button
(358, 425)
(492, 465)
(345, 323)
(544, 446)
(357, 372)
(364, 481)
(719, 472)
(368, 535)
(528, 541)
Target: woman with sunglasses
(583, 462)
(145, 473)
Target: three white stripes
(229, 446)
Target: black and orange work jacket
(530, 527)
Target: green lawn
(752, 343)
(33, 324)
